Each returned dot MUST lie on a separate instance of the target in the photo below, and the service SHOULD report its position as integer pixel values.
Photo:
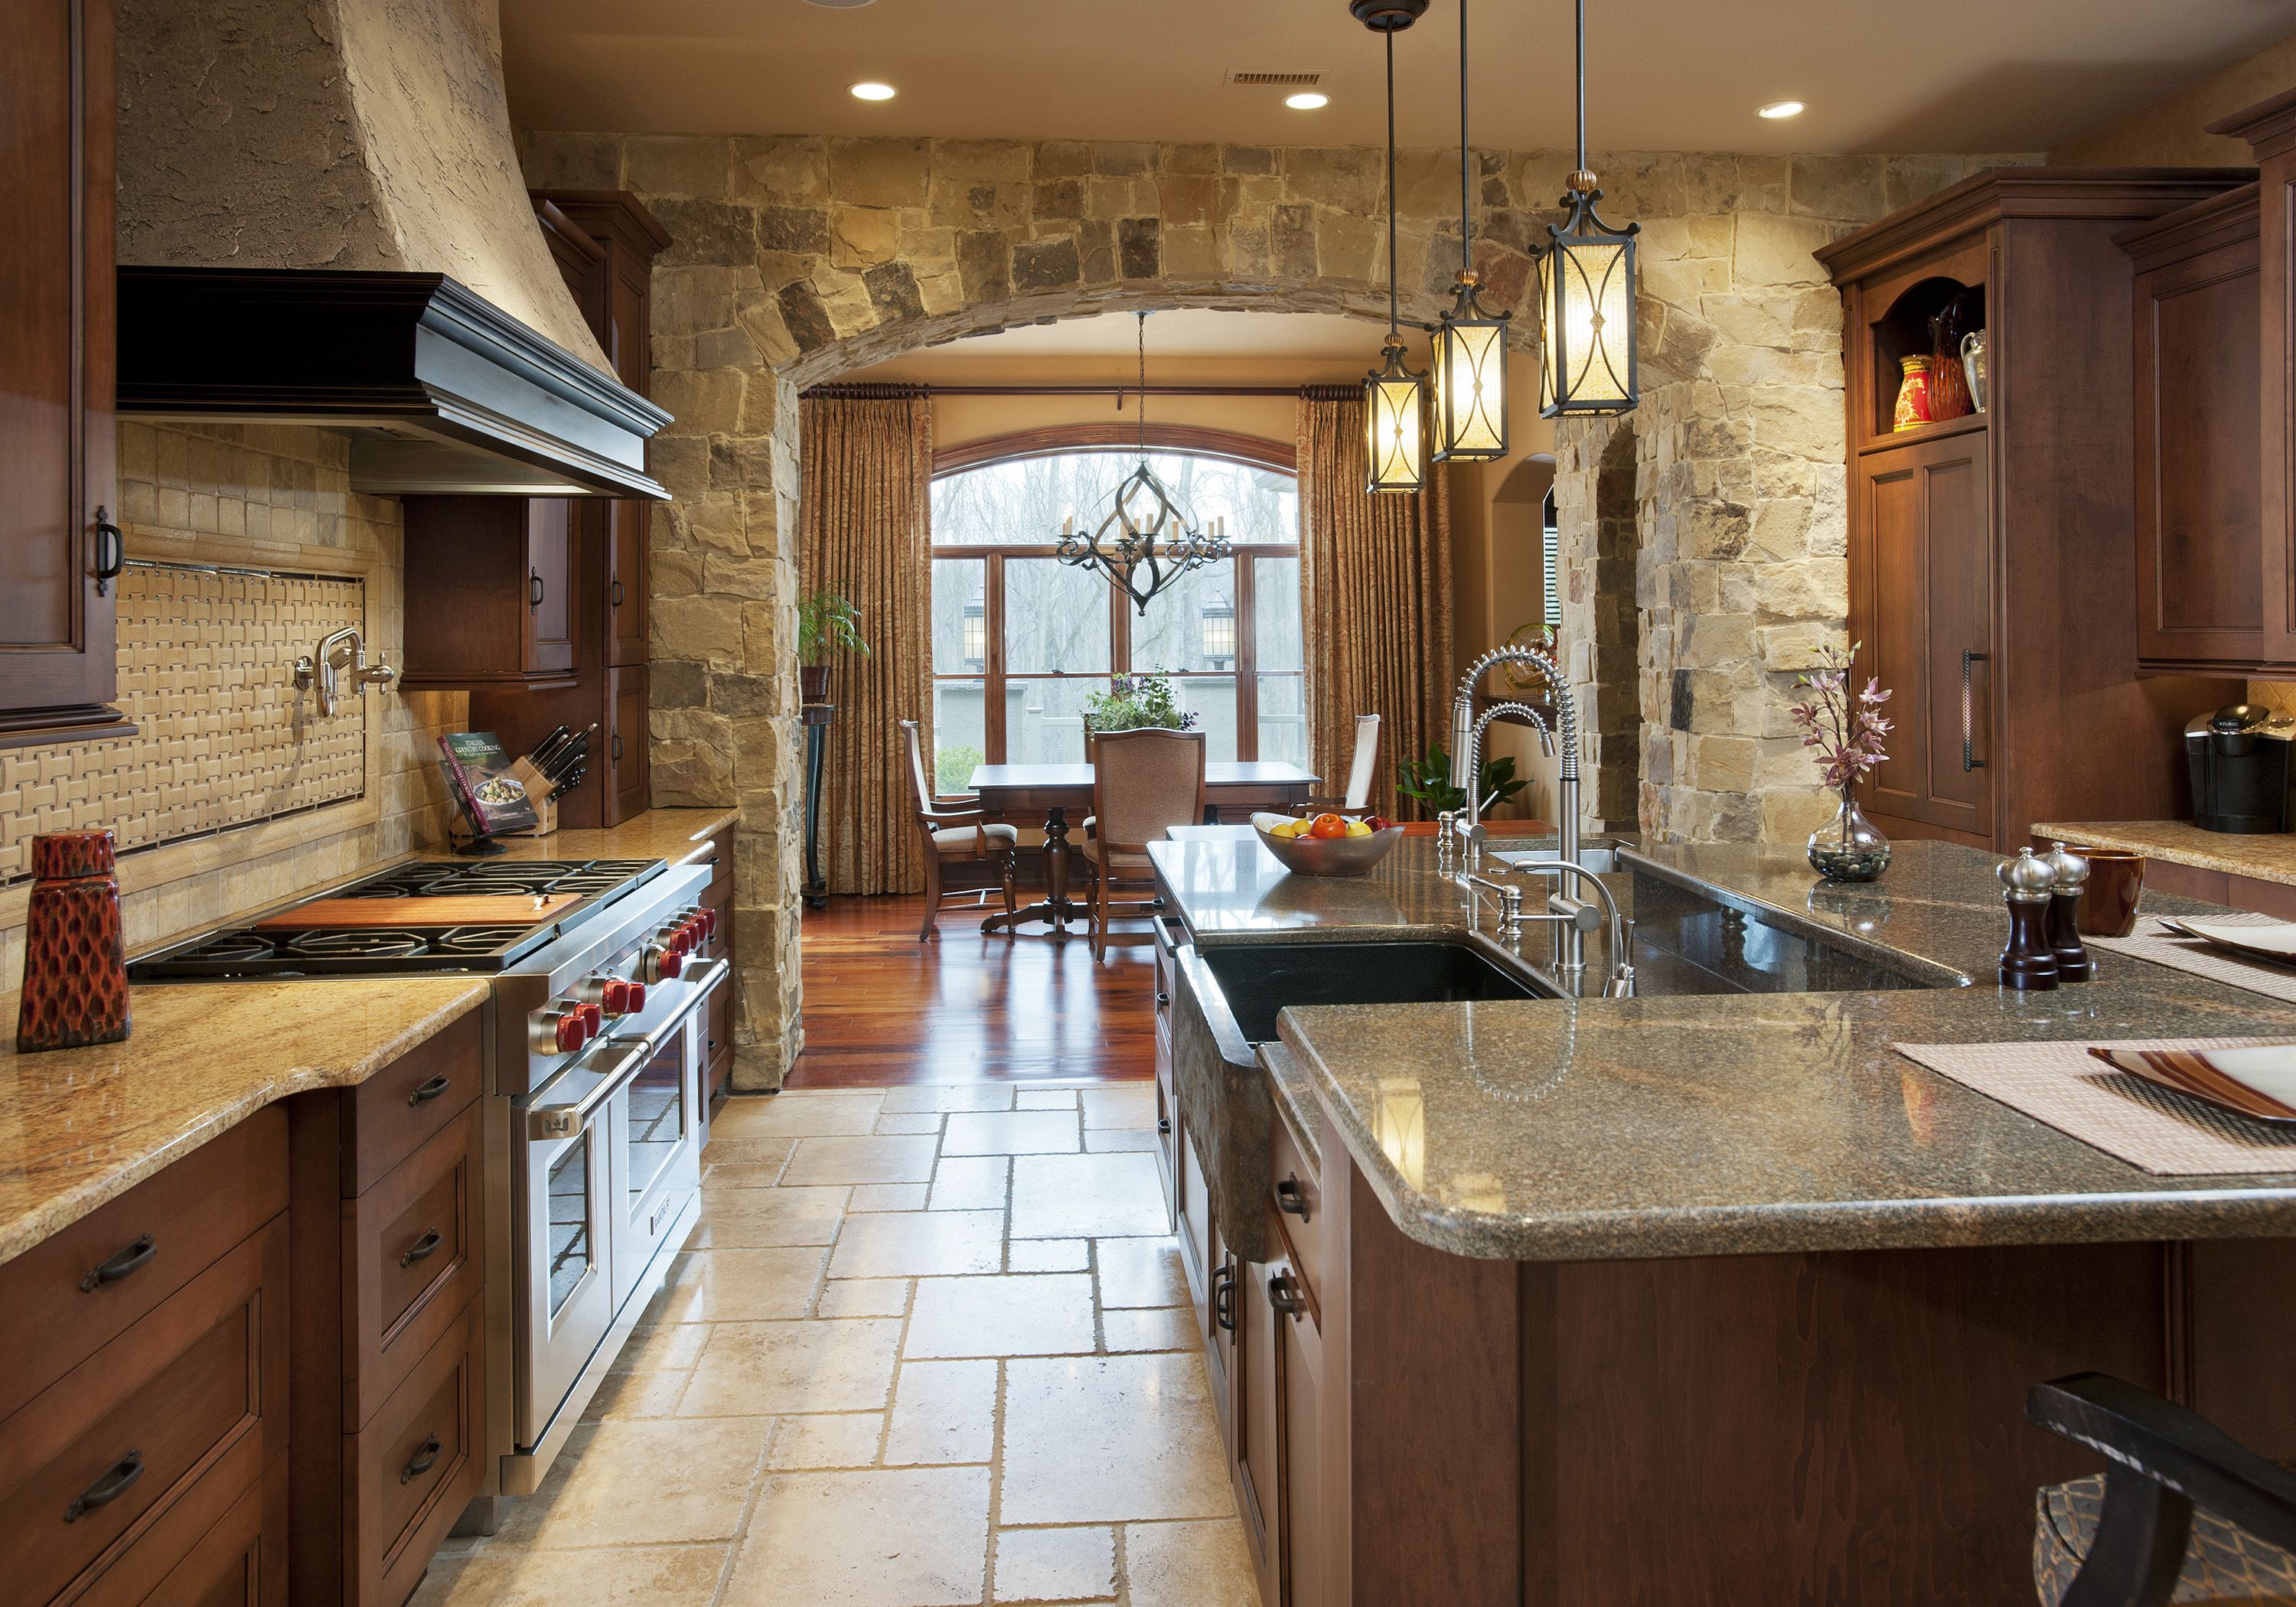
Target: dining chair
(963, 842)
(1143, 782)
(1363, 770)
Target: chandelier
(1587, 294)
(1147, 540)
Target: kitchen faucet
(344, 649)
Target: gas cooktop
(420, 940)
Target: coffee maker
(2239, 758)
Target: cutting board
(471, 909)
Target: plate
(2259, 1082)
(2273, 942)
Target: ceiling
(1877, 74)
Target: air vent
(1274, 80)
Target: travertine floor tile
(1045, 1313)
(630, 1395)
(789, 1368)
(1048, 1255)
(755, 1156)
(943, 1412)
(1013, 1133)
(919, 1244)
(1189, 1565)
(636, 1576)
(863, 1297)
(970, 1183)
(1163, 1328)
(835, 1440)
(892, 1537)
(959, 1096)
(873, 1197)
(897, 1122)
(1102, 1141)
(829, 1160)
(1098, 1439)
(1055, 1564)
(740, 1174)
(661, 1347)
(1046, 1099)
(1120, 1105)
(761, 1218)
(1142, 1272)
(798, 1113)
(644, 1483)
(1063, 1196)
(744, 1285)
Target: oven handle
(550, 1123)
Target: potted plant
(1429, 781)
(1846, 728)
(1135, 703)
(827, 622)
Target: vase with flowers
(1846, 725)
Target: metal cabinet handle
(533, 589)
(1284, 1294)
(108, 566)
(425, 1461)
(424, 1248)
(119, 1265)
(618, 591)
(618, 746)
(104, 1491)
(1291, 1199)
(1162, 998)
(1969, 759)
(1224, 1298)
(1164, 1126)
(424, 1093)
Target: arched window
(1020, 638)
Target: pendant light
(1587, 295)
(1393, 410)
(1147, 540)
(1471, 416)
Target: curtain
(1375, 595)
(864, 526)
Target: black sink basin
(1260, 979)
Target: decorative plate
(2259, 1083)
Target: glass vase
(1849, 848)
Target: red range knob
(573, 1032)
(594, 1020)
(709, 919)
(637, 997)
(617, 998)
(674, 938)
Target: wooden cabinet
(60, 542)
(1990, 556)
(493, 592)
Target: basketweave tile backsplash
(223, 737)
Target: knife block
(538, 793)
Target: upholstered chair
(966, 853)
(1363, 770)
(1143, 783)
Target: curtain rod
(1112, 387)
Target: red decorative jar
(1913, 409)
(74, 964)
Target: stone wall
(800, 259)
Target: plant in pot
(1846, 727)
(827, 623)
(1429, 781)
(1136, 702)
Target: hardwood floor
(881, 1008)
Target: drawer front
(57, 1309)
(191, 1558)
(196, 1388)
(403, 1104)
(1298, 1202)
(413, 1469)
(416, 1243)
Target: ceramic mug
(2116, 881)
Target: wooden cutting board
(471, 909)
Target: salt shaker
(75, 969)
(2071, 873)
(2028, 963)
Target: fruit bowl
(1326, 855)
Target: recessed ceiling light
(839, 6)
(1778, 109)
(1308, 100)
(871, 90)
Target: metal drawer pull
(1284, 1294)
(1164, 1126)
(618, 591)
(108, 564)
(1224, 1298)
(424, 1248)
(534, 589)
(108, 1488)
(1162, 999)
(425, 1461)
(1291, 1199)
(110, 1270)
(1969, 759)
(426, 1092)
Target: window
(1020, 639)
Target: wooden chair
(963, 842)
(1143, 782)
(1363, 770)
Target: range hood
(440, 391)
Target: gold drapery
(865, 527)
(1375, 594)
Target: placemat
(2150, 941)
(2146, 1126)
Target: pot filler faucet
(1571, 916)
(340, 653)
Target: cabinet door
(626, 526)
(549, 646)
(2200, 546)
(626, 781)
(1922, 567)
(58, 667)
(1299, 1372)
(1256, 1447)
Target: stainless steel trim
(546, 1123)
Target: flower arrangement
(1846, 725)
(1135, 703)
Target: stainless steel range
(602, 971)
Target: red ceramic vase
(1913, 409)
(74, 965)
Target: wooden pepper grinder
(75, 969)
(2028, 964)
(2071, 873)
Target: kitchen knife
(542, 750)
(568, 757)
(569, 784)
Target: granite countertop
(671, 835)
(2268, 857)
(1608, 1130)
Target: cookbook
(478, 768)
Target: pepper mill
(2026, 963)
(75, 969)
(2071, 873)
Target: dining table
(1029, 791)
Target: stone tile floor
(929, 1347)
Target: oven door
(653, 1143)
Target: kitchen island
(1708, 1297)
